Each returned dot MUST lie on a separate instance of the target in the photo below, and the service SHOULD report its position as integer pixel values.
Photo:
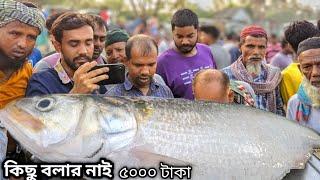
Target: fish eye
(45, 104)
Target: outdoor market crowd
(254, 70)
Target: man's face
(185, 38)
(205, 38)
(310, 66)
(253, 51)
(142, 68)
(76, 46)
(99, 36)
(17, 41)
(116, 52)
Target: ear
(57, 45)
(230, 96)
(299, 67)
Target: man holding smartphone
(73, 33)
(141, 62)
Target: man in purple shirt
(178, 65)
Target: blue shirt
(156, 89)
(261, 99)
(51, 81)
(35, 56)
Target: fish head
(42, 121)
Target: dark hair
(284, 43)
(318, 24)
(184, 17)
(299, 31)
(98, 21)
(52, 18)
(143, 42)
(68, 21)
(211, 30)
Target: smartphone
(116, 73)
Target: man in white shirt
(304, 106)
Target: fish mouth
(25, 119)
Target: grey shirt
(220, 55)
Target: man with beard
(73, 34)
(250, 68)
(99, 36)
(304, 106)
(177, 66)
(115, 46)
(141, 53)
(19, 27)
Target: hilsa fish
(219, 141)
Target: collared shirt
(156, 89)
(261, 99)
(52, 81)
(51, 60)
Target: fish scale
(220, 141)
(176, 132)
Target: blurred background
(153, 16)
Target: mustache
(255, 58)
(82, 57)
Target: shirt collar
(62, 73)
(128, 85)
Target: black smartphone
(116, 73)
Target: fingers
(97, 79)
(86, 67)
(97, 72)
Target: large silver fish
(220, 141)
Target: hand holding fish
(85, 81)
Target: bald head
(212, 85)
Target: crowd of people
(258, 71)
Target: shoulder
(228, 71)
(203, 48)
(293, 101)
(45, 75)
(158, 79)
(166, 55)
(115, 90)
(274, 69)
(165, 91)
(293, 67)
